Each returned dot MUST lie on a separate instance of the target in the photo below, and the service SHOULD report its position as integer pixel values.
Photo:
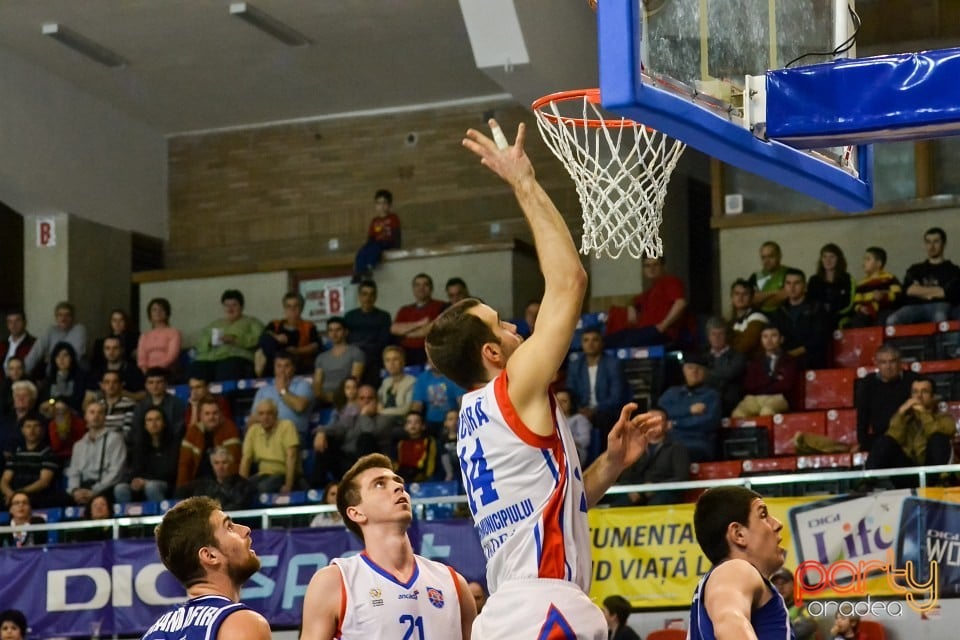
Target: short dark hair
(63, 304)
(16, 617)
(293, 295)
(716, 510)
(773, 245)
(926, 380)
(337, 320)
(368, 284)
(619, 607)
(157, 372)
(742, 282)
(423, 275)
(383, 193)
(454, 343)
(879, 253)
(185, 530)
(108, 372)
(793, 271)
(349, 493)
(163, 303)
(573, 399)
(112, 339)
(232, 294)
(936, 231)
(283, 354)
(592, 329)
(18, 312)
(455, 281)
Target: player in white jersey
(212, 557)
(525, 487)
(386, 591)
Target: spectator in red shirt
(656, 315)
(382, 234)
(412, 321)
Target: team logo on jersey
(409, 596)
(435, 596)
(376, 597)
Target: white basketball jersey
(375, 604)
(525, 491)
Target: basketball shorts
(540, 609)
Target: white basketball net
(621, 172)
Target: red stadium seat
(829, 388)
(787, 425)
(856, 347)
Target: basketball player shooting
(524, 484)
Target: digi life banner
(120, 586)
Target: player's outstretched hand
(629, 437)
(510, 162)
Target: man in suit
(597, 382)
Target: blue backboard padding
(622, 92)
(878, 99)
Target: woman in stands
(21, 514)
(100, 508)
(13, 625)
(329, 518)
(66, 378)
(832, 285)
(120, 327)
(160, 346)
(65, 428)
(153, 462)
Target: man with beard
(212, 557)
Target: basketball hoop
(620, 167)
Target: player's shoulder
(244, 624)
(735, 573)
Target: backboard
(696, 69)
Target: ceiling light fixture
(83, 45)
(268, 24)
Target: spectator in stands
(579, 424)
(225, 485)
(121, 328)
(33, 469)
(616, 609)
(768, 293)
(396, 390)
(329, 518)
(880, 395)
(479, 594)
(100, 508)
(369, 328)
(64, 329)
(64, 430)
(13, 625)
(771, 379)
(211, 431)
(119, 408)
(746, 322)
(664, 461)
(433, 396)
(157, 396)
(14, 372)
(877, 294)
(831, 285)
(656, 316)
(18, 342)
(804, 323)
(357, 435)
(931, 286)
(199, 389)
(725, 365)
(225, 347)
(412, 321)
(65, 377)
(98, 459)
(274, 447)
(383, 233)
(292, 334)
(416, 458)
(113, 358)
(160, 346)
(457, 290)
(346, 408)
(846, 628)
(526, 323)
(803, 625)
(293, 396)
(337, 362)
(24, 394)
(597, 382)
(693, 409)
(21, 514)
(918, 435)
(153, 463)
(449, 459)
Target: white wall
(65, 151)
(45, 281)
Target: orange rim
(592, 96)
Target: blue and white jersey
(196, 619)
(525, 491)
(374, 604)
(770, 622)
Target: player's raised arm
(536, 362)
(732, 592)
(321, 605)
(468, 606)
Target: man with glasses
(655, 317)
(880, 395)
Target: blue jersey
(770, 622)
(196, 619)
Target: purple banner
(120, 586)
